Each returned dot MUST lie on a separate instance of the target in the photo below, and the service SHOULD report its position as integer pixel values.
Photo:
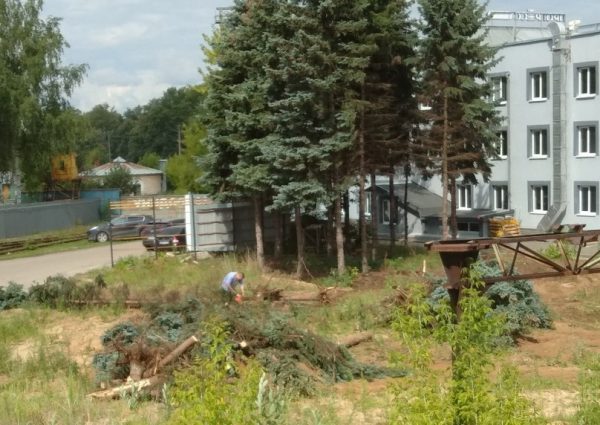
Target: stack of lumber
(504, 226)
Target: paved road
(27, 271)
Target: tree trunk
(258, 229)
(405, 211)
(178, 351)
(453, 223)
(362, 197)
(299, 243)
(278, 250)
(330, 231)
(393, 211)
(445, 171)
(339, 236)
(346, 205)
(374, 216)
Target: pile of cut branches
(296, 359)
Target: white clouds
(135, 49)
(121, 34)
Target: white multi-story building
(546, 90)
(548, 168)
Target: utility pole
(108, 141)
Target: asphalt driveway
(27, 271)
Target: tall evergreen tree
(321, 62)
(389, 96)
(455, 60)
(238, 115)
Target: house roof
(424, 203)
(134, 169)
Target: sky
(136, 49)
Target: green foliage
(121, 334)
(34, 90)
(12, 296)
(54, 292)
(345, 279)
(553, 250)
(120, 178)
(285, 346)
(470, 397)
(516, 301)
(454, 60)
(150, 159)
(203, 394)
(111, 364)
(183, 174)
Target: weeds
(213, 391)
(469, 396)
(589, 391)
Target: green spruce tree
(455, 60)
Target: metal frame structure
(459, 253)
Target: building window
(464, 196)
(585, 139)
(385, 211)
(539, 198)
(500, 193)
(499, 90)
(502, 144)
(586, 202)
(539, 143)
(539, 85)
(586, 81)
(468, 227)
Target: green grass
(59, 247)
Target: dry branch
(134, 386)
(178, 351)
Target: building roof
(134, 169)
(424, 203)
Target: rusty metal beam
(457, 254)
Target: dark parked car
(172, 237)
(122, 226)
(159, 224)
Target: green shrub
(12, 296)
(54, 292)
(470, 396)
(554, 252)
(344, 280)
(516, 301)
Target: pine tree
(455, 61)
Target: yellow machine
(65, 182)
(64, 168)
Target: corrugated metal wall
(228, 226)
(28, 219)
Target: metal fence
(28, 219)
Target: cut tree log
(355, 339)
(178, 351)
(324, 296)
(128, 388)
